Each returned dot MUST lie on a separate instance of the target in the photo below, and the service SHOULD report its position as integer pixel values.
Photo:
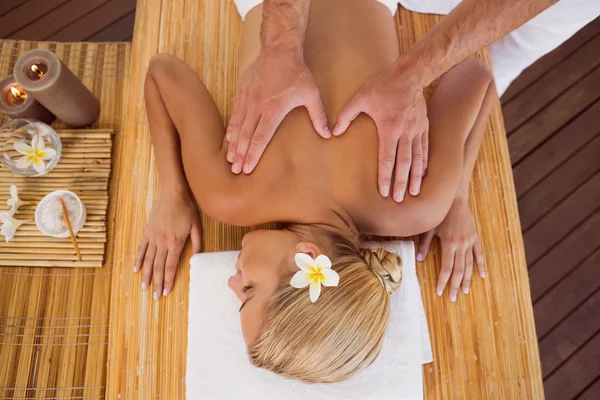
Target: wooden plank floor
(552, 115)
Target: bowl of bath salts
(48, 214)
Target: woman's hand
(460, 245)
(394, 100)
(173, 218)
(272, 86)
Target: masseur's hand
(272, 86)
(460, 248)
(173, 218)
(394, 100)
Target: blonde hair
(342, 333)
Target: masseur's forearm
(471, 26)
(165, 141)
(284, 24)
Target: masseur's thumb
(316, 110)
(347, 115)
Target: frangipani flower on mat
(14, 202)
(9, 225)
(35, 154)
(314, 273)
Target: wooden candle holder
(16, 102)
(48, 79)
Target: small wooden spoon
(65, 216)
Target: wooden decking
(67, 20)
(552, 115)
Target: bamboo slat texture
(54, 321)
(84, 168)
(484, 345)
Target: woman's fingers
(416, 166)
(425, 244)
(425, 145)
(159, 271)
(457, 274)
(148, 265)
(479, 259)
(196, 237)
(446, 270)
(139, 258)
(466, 283)
(171, 267)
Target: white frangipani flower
(9, 225)
(314, 273)
(14, 202)
(35, 154)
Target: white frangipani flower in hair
(314, 273)
(14, 202)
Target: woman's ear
(309, 248)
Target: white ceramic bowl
(76, 225)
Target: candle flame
(37, 71)
(18, 94)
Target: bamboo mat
(54, 321)
(484, 345)
(84, 168)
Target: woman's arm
(187, 137)
(457, 232)
(183, 112)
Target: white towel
(217, 361)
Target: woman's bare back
(348, 42)
(301, 177)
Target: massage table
(484, 345)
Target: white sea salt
(51, 214)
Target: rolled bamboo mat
(84, 168)
(54, 321)
(484, 345)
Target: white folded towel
(217, 361)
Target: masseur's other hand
(272, 86)
(460, 249)
(173, 218)
(395, 101)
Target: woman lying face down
(329, 340)
(324, 191)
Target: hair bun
(386, 266)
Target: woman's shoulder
(414, 215)
(247, 200)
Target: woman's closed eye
(245, 290)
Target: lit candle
(17, 103)
(46, 78)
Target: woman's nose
(235, 284)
